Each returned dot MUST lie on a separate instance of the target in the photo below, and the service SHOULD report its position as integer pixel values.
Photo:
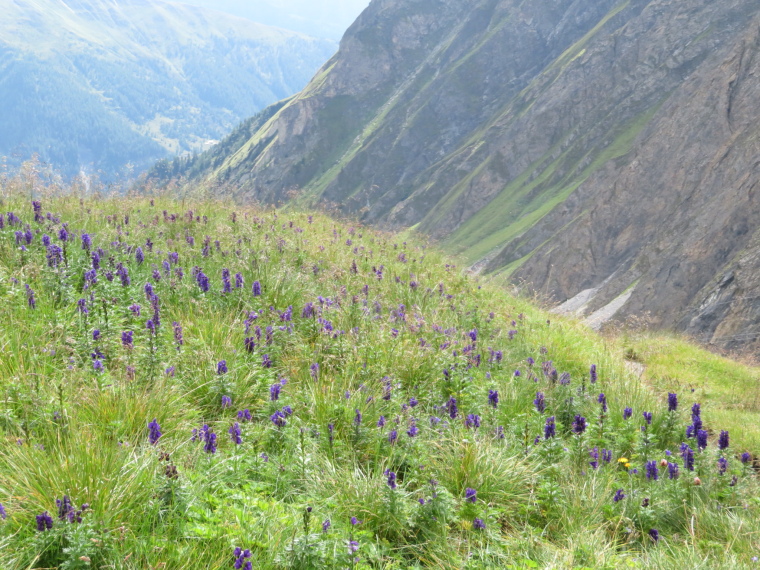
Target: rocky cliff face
(602, 151)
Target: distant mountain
(101, 84)
(601, 152)
(322, 18)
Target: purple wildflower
(326, 525)
(672, 470)
(278, 419)
(652, 471)
(722, 465)
(672, 402)
(702, 439)
(723, 440)
(619, 496)
(594, 454)
(493, 398)
(413, 429)
(478, 524)
(654, 534)
(647, 417)
(221, 367)
(178, 334)
(392, 436)
(44, 522)
(226, 402)
(139, 256)
(202, 281)
(688, 457)
(235, 433)
(550, 429)
(746, 457)
(391, 478)
(472, 420)
(30, 300)
(592, 374)
(579, 424)
(210, 446)
(244, 415)
(540, 402)
(241, 559)
(127, 339)
(470, 495)
(627, 413)
(602, 399)
(256, 289)
(154, 433)
(451, 405)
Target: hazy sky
(320, 18)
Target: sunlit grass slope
(206, 377)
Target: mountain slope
(601, 149)
(107, 82)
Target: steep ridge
(600, 150)
(98, 84)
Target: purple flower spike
(493, 398)
(723, 440)
(540, 402)
(550, 429)
(579, 424)
(702, 439)
(226, 402)
(221, 367)
(235, 433)
(478, 524)
(619, 496)
(44, 522)
(470, 495)
(672, 402)
(210, 446)
(127, 339)
(652, 471)
(30, 300)
(256, 289)
(154, 433)
(391, 478)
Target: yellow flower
(622, 460)
(627, 465)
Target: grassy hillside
(208, 377)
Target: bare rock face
(597, 150)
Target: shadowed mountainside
(601, 151)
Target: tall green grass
(68, 429)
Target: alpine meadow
(484, 294)
(187, 383)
